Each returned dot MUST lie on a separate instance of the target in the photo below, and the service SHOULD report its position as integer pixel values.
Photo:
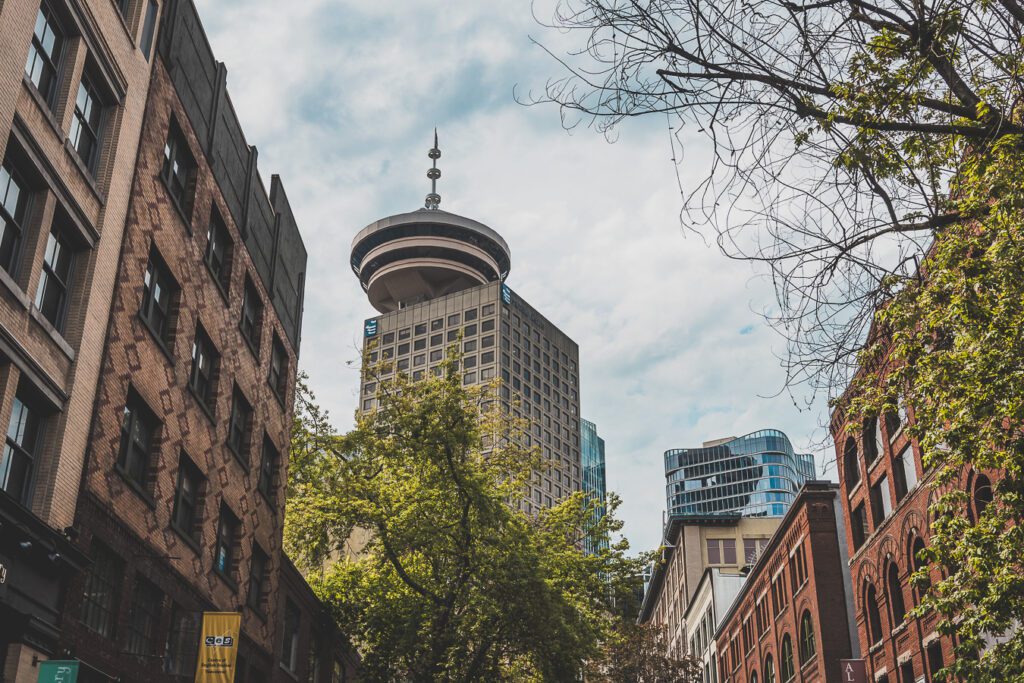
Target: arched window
(753, 677)
(807, 645)
(897, 608)
(916, 544)
(981, 495)
(851, 463)
(786, 667)
(874, 618)
(769, 670)
(872, 439)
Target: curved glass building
(756, 475)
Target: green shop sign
(57, 671)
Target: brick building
(886, 495)
(692, 544)
(73, 81)
(793, 619)
(181, 507)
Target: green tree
(870, 153)
(637, 653)
(455, 583)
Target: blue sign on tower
(506, 294)
(370, 328)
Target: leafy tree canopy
(455, 582)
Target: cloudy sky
(341, 97)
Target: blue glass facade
(592, 447)
(756, 475)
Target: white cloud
(341, 97)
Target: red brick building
(886, 497)
(793, 618)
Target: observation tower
(409, 258)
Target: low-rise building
(715, 593)
(728, 542)
(793, 619)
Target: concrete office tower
(434, 275)
(757, 475)
(592, 448)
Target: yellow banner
(218, 647)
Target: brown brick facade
(138, 362)
(50, 362)
(888, 521)
(794, 605)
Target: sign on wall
(853, 671)
(58, 671)
(218, 647)
(506, 294)
(370, 328)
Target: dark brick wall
(135, 360)
(266, 223)
(811, 523)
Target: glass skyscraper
(592, 448)
(756, 475)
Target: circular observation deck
(421, 255)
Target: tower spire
(434, 199)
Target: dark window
(227, 539)
(44, 53)
(85, 126)
(920, 564)
(143, 617)
(851, 463)
(874, 617)
(290, 637)
(187, 498)
(769, 670)
(252, 314)
(268, 466)
(437, 324)
(935, 662)
(897, 608)
(218, 250)
(420, 329)
(907, 672)
(124, 7)
(52, 295)
(786, 667)
(182, 642)
(138, 429)
(148, 29)
(859, 526)
(487, 325)
(102, 586)
(807, 644)
(179, 167)
(20, 452)
(239, 427)
(871, 437)
(13, 207)
(158, 293)
(278, 377)
(981, 495)
(205, 363)
(257, 578)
